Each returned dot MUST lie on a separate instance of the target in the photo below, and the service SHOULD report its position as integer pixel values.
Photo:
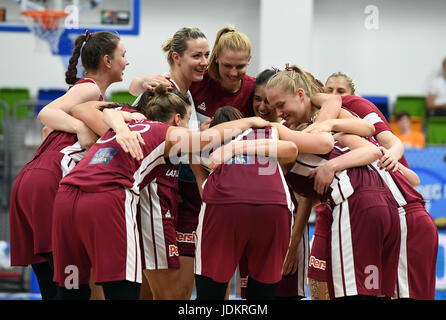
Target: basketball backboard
(122, 16)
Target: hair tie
(276, 70)
(87, 35)
(287, 67)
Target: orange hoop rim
(48, 17)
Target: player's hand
(137, 116)
(86, 137)
(130, 142)
(220, 156)
(151, 82)
(324, 126)
(323, 176)
(387, 161)
(257, 122)
(291, 260)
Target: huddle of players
(124, 215)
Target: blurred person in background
(410, 138)
(436, 98)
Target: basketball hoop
(46, 25)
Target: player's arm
(356, 126)
(56, 115)
(140, 85)
(394, 148)
(302, 215)
(201, 174)
(284, 151)
(129, 140)
(329, 104)
(181, 140)
(89, 112)
(317, 143)
(362, 153)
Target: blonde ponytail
(227, 38)
(293, 78)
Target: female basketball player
(104, 61)
(294, 282)
(226, 83)
(340, 83)
(113, 252)
(103, 57)
(374, 237)
(188, 58)
(212, 281)
(229, 182)
(169, 275)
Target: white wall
(398, 58)
(285, 32)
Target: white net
(46, 25)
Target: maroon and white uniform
(33, 193)
(317, 265)
(159, 213)
(419, 240)
(364, 235)
(246, 210)
(419, 236)
(158, 206)
(208, 95)
(95, 210)
(366, 110)
(158, 210)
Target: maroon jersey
(209, 95)
(248, 179)
(107, 165)
(366, 110)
